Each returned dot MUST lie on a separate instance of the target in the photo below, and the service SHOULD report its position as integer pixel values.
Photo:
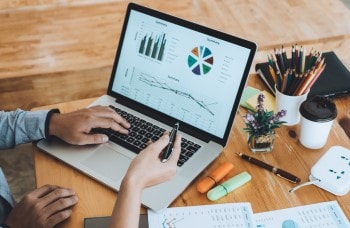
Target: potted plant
(261, 125)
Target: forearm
(145, 170)
(20, 126)
(126, 211)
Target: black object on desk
(277, 171)
(103, 222)
(333, 82)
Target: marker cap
(219, 173)
(228, 186)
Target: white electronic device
(331, 172)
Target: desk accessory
(317, 115)
(103, 222)
(333, 82)
(169, 148)
(269, 101)
(331, 172)
(228, 186)
(277, 171)
(296, 76)
(260, 125)
(247, 93)
(250, 95)
(291, 105)
(213, 178)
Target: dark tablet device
(103, 222)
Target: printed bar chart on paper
(325, 214)
(214, 216)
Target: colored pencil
(296, 76)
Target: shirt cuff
(47, 121)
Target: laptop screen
(184, 73)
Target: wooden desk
(47, 45)
(265, 191)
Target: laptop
(166, 70)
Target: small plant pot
(261, 143)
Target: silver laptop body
(166, 70)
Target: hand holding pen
(169, 148)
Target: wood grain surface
(61, 50)
(265, 191)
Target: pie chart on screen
(200, 60)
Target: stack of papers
(325, 214)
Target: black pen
(278, 172)
(169, 148)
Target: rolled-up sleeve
(21, 126)
(5, 189)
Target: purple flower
(260, 106)
(281, 113)
(255, 125)
(250, 117)
(263, 121)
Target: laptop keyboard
(142, 132)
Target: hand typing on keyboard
(140, 133)
(74, 127)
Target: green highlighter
(228, 186)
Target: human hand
(144, 171)
(42, 208)
(147, 170)
(74, 127)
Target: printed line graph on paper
(152, 81)
(171, 223)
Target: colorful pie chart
(200, 60)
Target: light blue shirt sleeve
(21, 126)
(5, 190)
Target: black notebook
(334, 80)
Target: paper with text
(325, 214)
(207, 216)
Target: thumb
(93, 139)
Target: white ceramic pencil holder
(291, 104)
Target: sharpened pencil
(295, 76)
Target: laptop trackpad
(108, 162)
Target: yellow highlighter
(228, 186)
